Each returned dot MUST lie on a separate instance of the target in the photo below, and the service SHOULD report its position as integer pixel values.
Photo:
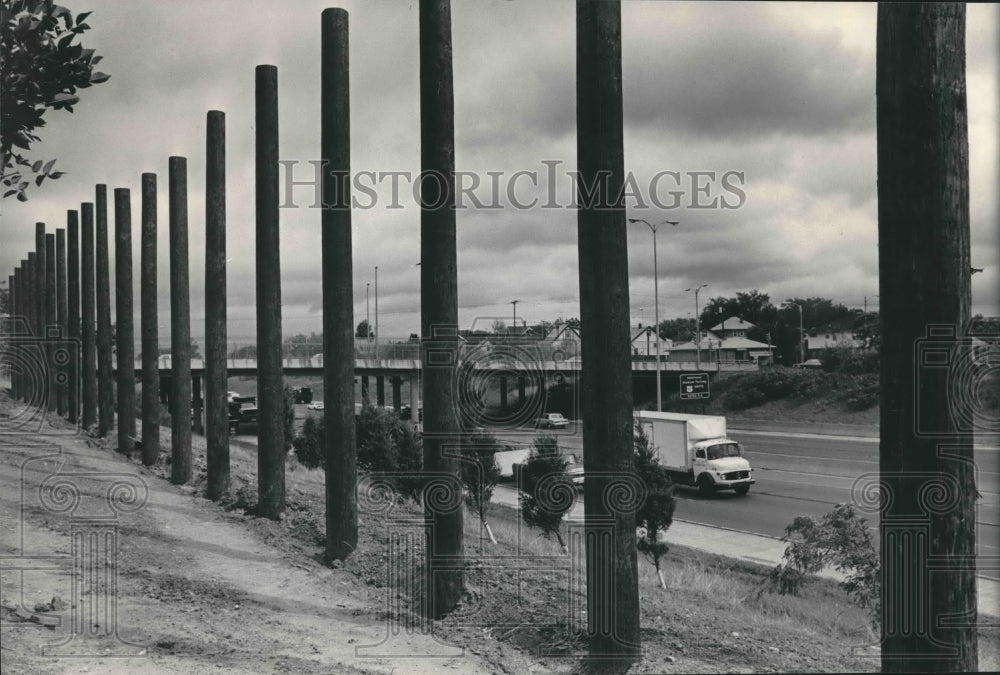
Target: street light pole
(802, 353)
(376, 312)
(514, 302)
(656, 303)
(697, 324)
(368, 316)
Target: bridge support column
(414, 399)
(521, 383)
(365, 389)
(397, 394)
(503, 392)
(380, 390)
(198, 406)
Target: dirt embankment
(136, 575)
(150, 577)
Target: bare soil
(166, 581)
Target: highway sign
(694, 385)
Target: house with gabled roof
(644, 342)
(733, 326)
(726, 342)
(724, 350)
(563, 340)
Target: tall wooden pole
(62, 321)
(73, 309)
(26, 304)
(15, 311)
(87, 321)
(180, 325)
(31, 390)
(270, 394)
(149, 321)
(338, 290)
(439, 305)
(52, 390)
(927, 418)
(14, 307)
(124, 330)
(17, 379)
(105, 387)
(606, 396)
(216, 403)
(40, 311)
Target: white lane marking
(803, 473)
(981, 447)
(752, 453)
(790, 434)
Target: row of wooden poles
(63, 291)
(54, 283)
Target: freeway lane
(839, 455)
(805, 474)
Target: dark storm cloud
(742, 74)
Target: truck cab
(719, 465)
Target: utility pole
(338, 289)
(216, 368)
(802, 344)
(514, 322)
(270, 378)
(445, 580)
(180, 322)
(606, 395)
(376, 312)
(124, 329)
(697, 323)
(149, 323)
(927, 469)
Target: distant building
(724, 350)
(644, 342)
(726, 342)
(734, 326)
(562, 342)
(831, 336)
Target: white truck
(696, 451)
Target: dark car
(242, 412)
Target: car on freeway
(315, 405)
(242, 412)
(552, 421)
(574, 469)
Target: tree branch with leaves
(41, 69)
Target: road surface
(801, 473)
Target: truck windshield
(723, 450)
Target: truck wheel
(706, 486)
(741, 489)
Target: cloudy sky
(773, 103)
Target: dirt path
(190, 590)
